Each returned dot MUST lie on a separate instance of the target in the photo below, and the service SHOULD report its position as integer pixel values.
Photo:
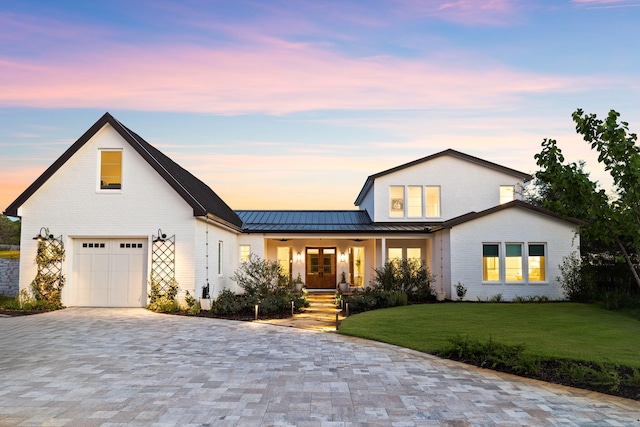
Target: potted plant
(343, 286)
(297, 284)
(205, 301)
(440, 295)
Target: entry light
(299, 257)
(343, 257)
(43, 235)
(161, 237)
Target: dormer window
(507, 193)
(111, 169)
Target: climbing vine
(49, 281)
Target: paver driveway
(113, 367)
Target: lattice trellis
(49, 280)
(163, 258)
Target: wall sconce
(298, 257)
(43, 234)
(343, 257)
(160, 238)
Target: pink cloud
(268, 78)
(466, 12)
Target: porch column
(383, 255)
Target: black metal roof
(196, 193)
(267, 221)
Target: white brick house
(111, 193)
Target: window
(414, 254)
(536, 263)
(396, 201)
(507, 193)
(490, 263)
(432, 196)
(220, 257)
(284, 260)
(357, 266)
(513, 262)
(414, 205)
(110, 170)
(245, 253)
(394, 254)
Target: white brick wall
(464, 186)
(70, 205)
(514, 225)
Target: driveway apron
(131, 367)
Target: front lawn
(549, 331)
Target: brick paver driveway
(112, 367)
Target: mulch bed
(15, 313)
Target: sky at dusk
(292, 104)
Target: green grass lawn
(10, 254)
(557, 330)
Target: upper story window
(507, 193)
(110, 170)
(414, 201)
(396, 201)
(432, 195)
(414, 196)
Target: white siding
(514, 225)
(464, 187)
(70, 205)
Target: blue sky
(292, 104)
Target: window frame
(542, 268)
(501, 199)
(497, 258)
(241, 256)
(427, 204)
(399, 211)
(410, 206)
(508, 275)
(99, 180)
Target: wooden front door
(321, 268)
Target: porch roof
(278, 221)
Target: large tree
(9, 231)
(611, 220)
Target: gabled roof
(320, 222)
(203, 200)
(513, 204)
(453, 153)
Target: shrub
(162, 297)
(576, 281)
(260, 277)
(409, 276)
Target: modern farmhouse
(126, 213)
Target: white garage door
(109, 273)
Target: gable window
(507, 193)
(110, 170)
(490, 263)
(513, 262)
(414, 205)
(536, 263)
(396, 201)
(432, 196)
(245, 253)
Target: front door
(321, 268)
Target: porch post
(383, 255)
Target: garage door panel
(109, 273)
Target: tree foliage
(9, 231)
(567, 189)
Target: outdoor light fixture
(43, 235)
(299, 257)
(343, 257)
(160, 238)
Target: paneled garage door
(109, 273)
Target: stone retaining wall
(9, 273)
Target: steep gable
(203, 200)
(453, 153)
